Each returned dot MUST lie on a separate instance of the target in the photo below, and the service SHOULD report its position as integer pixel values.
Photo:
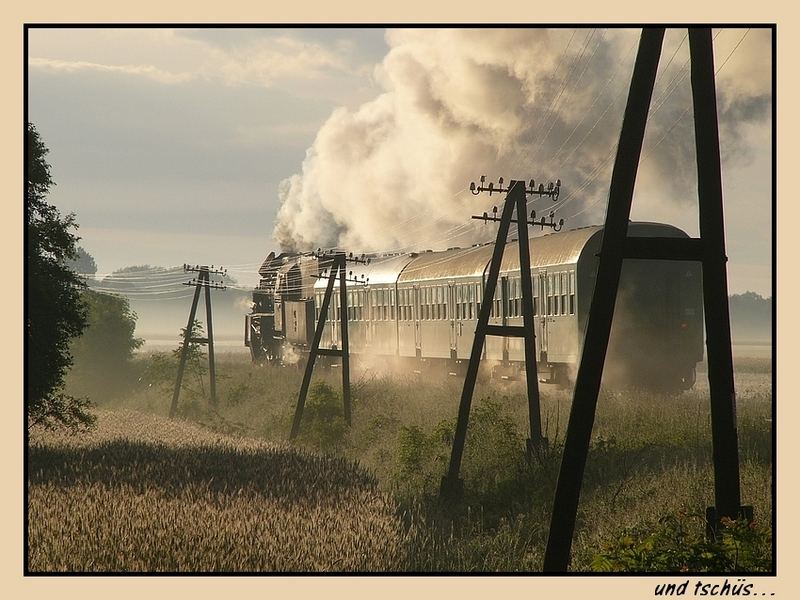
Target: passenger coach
(424, 307)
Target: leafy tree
(54, 311)
(162, 368)
(103, 353)
(83, 263)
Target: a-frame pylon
(516, 198)
(336, 265)
(202, 281)
(708, 249)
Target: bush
(103, 353)
(674, 546)
(323, 424)
(493, 455)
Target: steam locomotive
(422, 308)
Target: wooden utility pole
(202, 281)
(616, 246)
(516, 197)
(335, 264)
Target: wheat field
(142, 493)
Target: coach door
(451, 317)
(366, 317)
(543, 309)
(417, 317)
(334, 312)
(505, 311)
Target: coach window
(572, 292)
(400, 304)
(385, 306)
(477, 299)
(510, 292)
(535, 293)
(556, 292)
(559, 306)
(512, 298)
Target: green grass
(650, 458)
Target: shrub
(323, 424)
(675, 546)
(493, 455)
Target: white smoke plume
(518, 103)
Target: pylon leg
(598, 327)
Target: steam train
(422, 308)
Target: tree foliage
(54, 311)
(83, 263)
(104, 351)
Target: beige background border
(676, 11)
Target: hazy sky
(179, 146)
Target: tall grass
(650, 457)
